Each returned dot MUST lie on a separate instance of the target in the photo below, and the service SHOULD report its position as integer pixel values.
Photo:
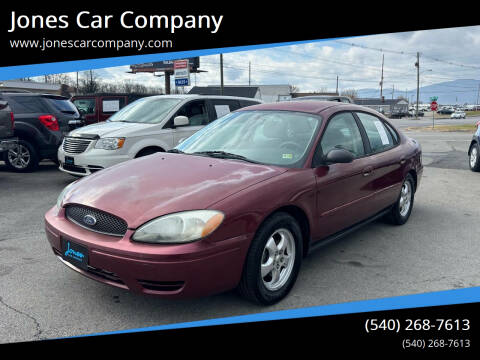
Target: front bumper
(196, 269)
(7, 144)
(90, 161)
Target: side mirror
(338, 156)
(180, 121)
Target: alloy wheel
(278, 259)
(19, 157)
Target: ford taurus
(239, 203)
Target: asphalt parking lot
(436, 250)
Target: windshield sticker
(287, 156)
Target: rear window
(62, 104)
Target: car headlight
(110, 143)
(180, 227)
(62, 195)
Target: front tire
(402, 209)
(23, 158)
(273, 260)
(474, 158)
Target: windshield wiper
(175, 151)
(224, 155)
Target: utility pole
(221, 74)
(417, 64)
(337, 86)
(381, 80)
(393, 90)
(249, 72)
(478, 93)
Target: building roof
(242, 91)
(375, 101)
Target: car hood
(142, 189)
(110, 128)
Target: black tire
(474, 158)
(397, 215)
(252, 285)
(28, 151)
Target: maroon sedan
(239, 203)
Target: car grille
(75, 146)
(105, 223)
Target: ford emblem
(89, 220)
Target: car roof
(194, 96)
(311, 107)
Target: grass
(446, 128)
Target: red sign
(434, 106)
(180, 64)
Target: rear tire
(474, 158)
(273, 260)
(402, 208)
(23, 158)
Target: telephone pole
(381, 80)
(337, 86)
(417, 64)
(249, 72)
(221, 74)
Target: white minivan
(146, 126)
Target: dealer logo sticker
(89, 220)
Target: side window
(393, 133)
(223, 107)
(28, 104)
(196, 111)
(342, 133)
(85, 106)
(379, 137)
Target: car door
(342, 190)
(386, 159)
(198, 116)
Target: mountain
(448, 93)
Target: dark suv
(41, 121)
(7, 124)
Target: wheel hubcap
(473, 157)
(277, 259)
(405, 198)
(19, 157)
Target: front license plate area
(69, 160)
(75, 254)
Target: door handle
(402, 161)
(367, 171)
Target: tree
(351, 93)
(90, 84)
(293, 89)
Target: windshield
(146, 110)
(269, 137)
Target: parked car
(41, 121)
(146, 126)
(474, 150)
(412, 113)
(343, 99)
(96, 108)
(446, 110)
(7, 125)
(458, 115)
(239, 203)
